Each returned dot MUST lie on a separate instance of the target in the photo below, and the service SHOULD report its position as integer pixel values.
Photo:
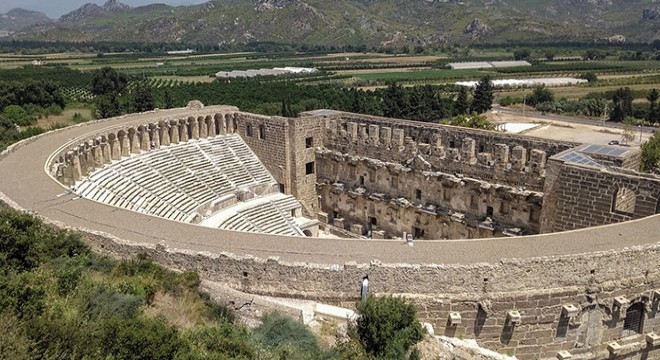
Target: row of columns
(89, 155)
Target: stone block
(569, 310)
(653, 339)
(454, 318)
(357, 229)
(614, 348)
(513, 317)
(564, 355)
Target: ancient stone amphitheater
(536, 248)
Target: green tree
(16, 115)
(461, 105)
(107, 81)
(651, 154)
(589, 76)
(143, 98)
(522, 54)
(474, 121)
(167, 99)
(654, 111)
(621, 104)
(387, 327)
(483, 95)
(395, 101)
(107, 106)
(541, 95)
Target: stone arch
(623, 200)
(634, 321)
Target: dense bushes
(387, 327)
(59, 300)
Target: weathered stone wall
(581, 196)
(483, 294)
(268, 138)
(497, 157)
(305, 134)
(600, 286)
(437, 205)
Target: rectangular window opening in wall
(248, 130)
(452, 144)
(282, 190)
(489, 211)
(418, 194)
(418, 233)
(309, 168)
(262, 132)
(361, 180)
(309, 142)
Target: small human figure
(365, 288)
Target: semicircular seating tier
(191, 181)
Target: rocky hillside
(19, 19)
(369, 22)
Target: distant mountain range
(341, 22)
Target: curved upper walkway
(24, 180)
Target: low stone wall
(483, 294)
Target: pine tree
(483, 96)
(462, 106)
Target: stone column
(194, 128)
(135, 141)
(125, 146)
(518, 158)
(174, 133)
(115, 149)
(211, 129)
(397, 138)
(374, 135)
(164, 135)
(183, 131)
(144, 140)
(468, 150)
(386, 135)
(107, 155)
(352, 130)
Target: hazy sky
(57, 8)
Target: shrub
(223, 341)
(282, 332)
(651, 154)
(387, 327)
(139, 338)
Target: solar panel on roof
(604, 150)
(578, 158)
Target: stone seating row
(271, 214)
(175, 181)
